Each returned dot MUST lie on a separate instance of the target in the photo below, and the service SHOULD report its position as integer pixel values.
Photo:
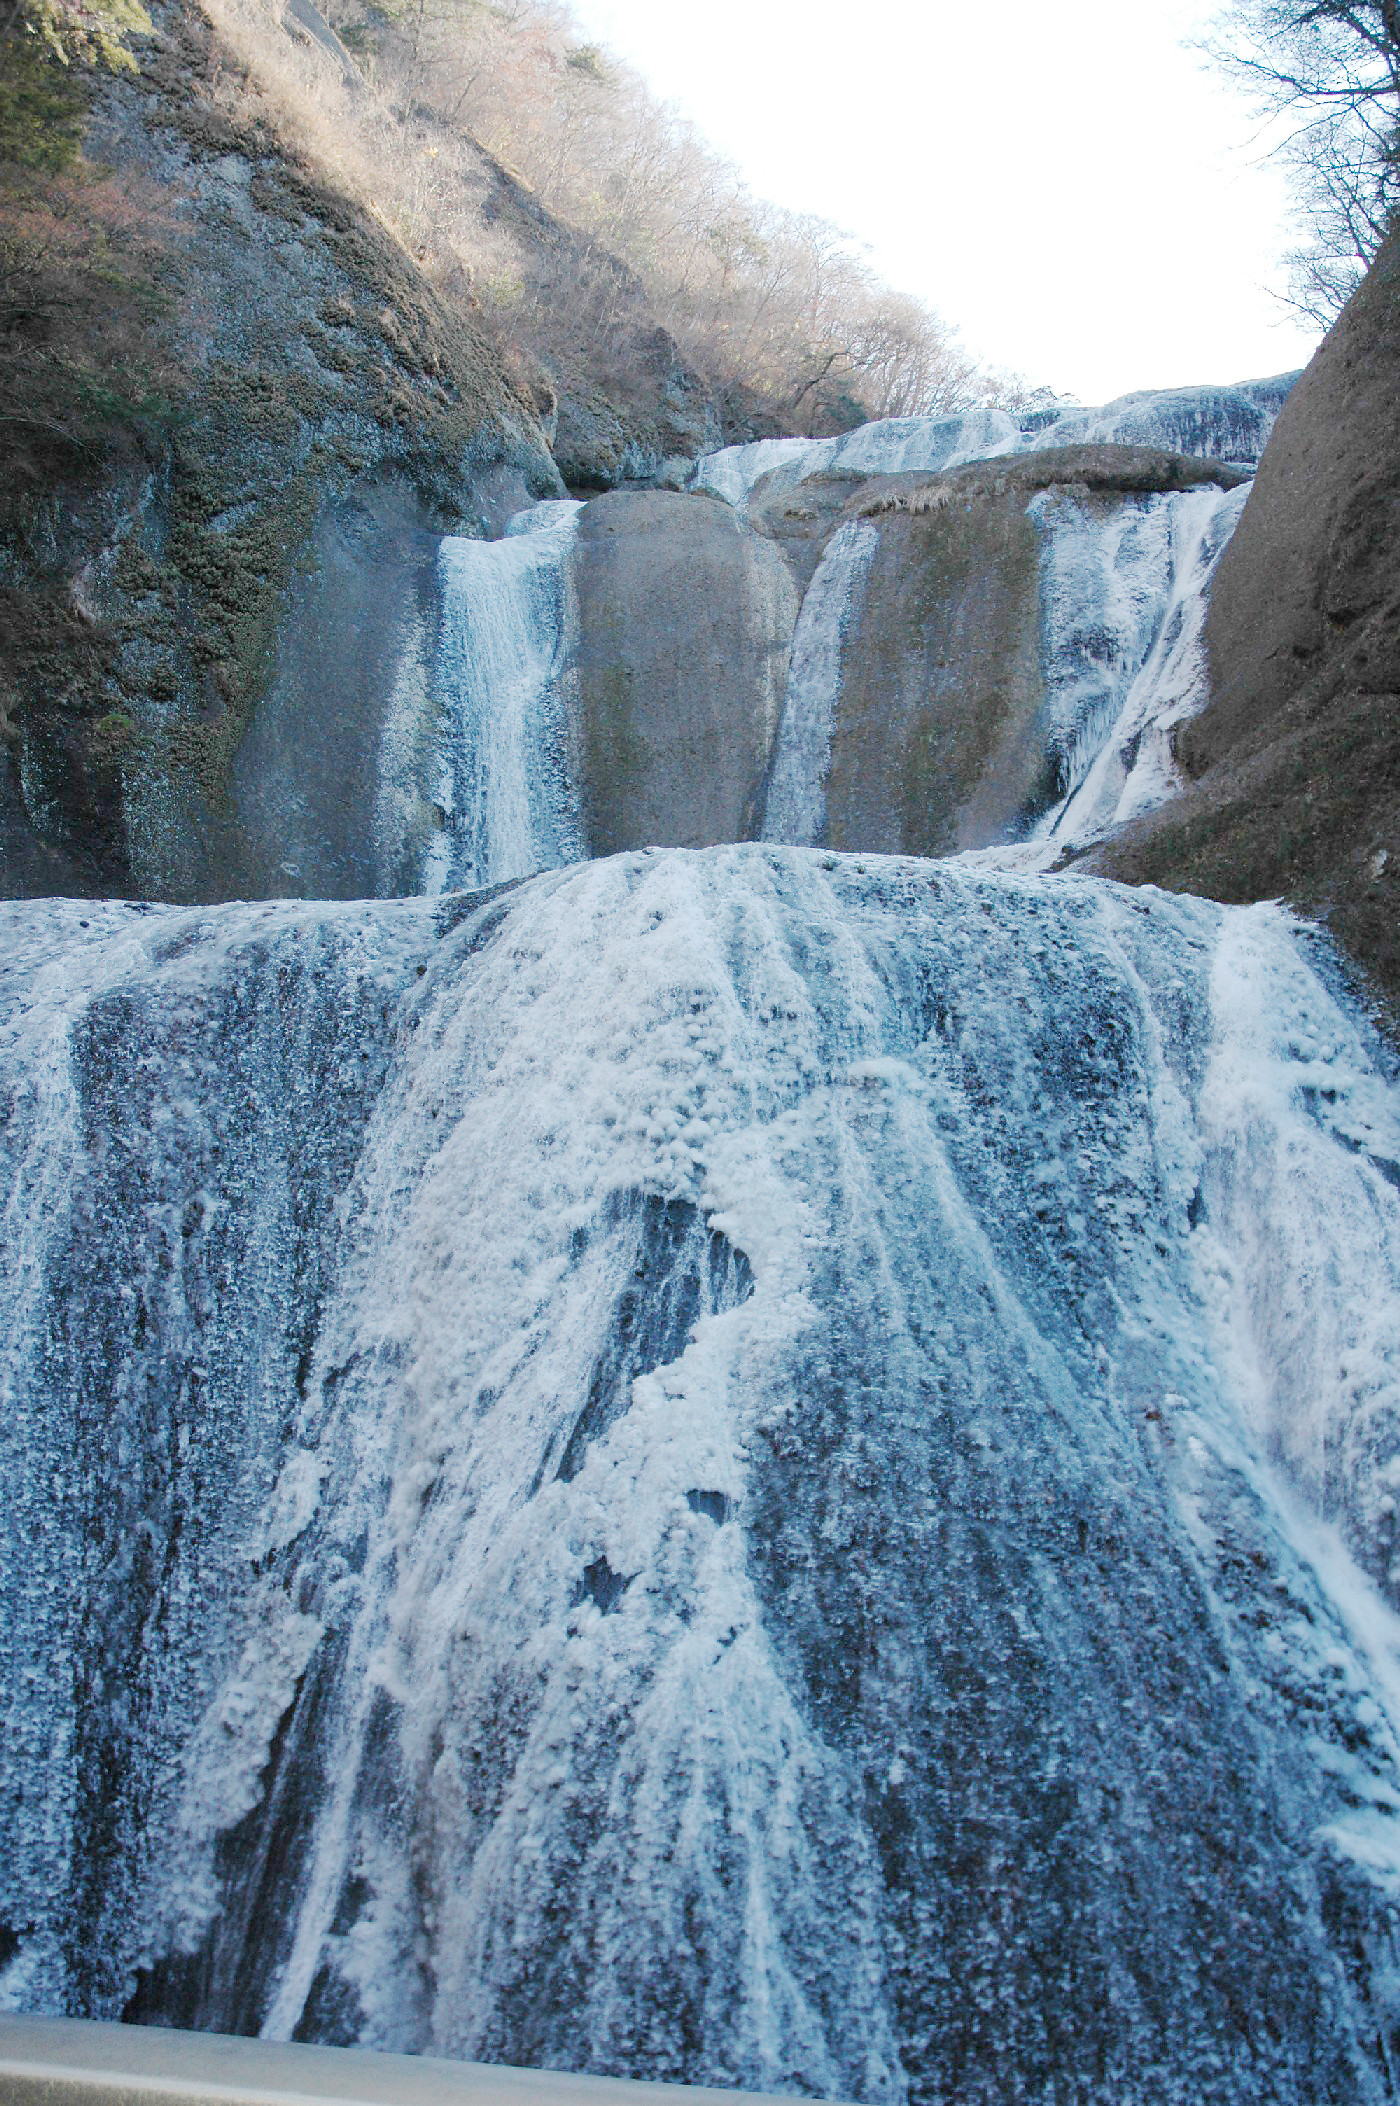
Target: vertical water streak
(503, 669)
(795, 811)
(1124, 593)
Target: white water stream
(795, 811)
(504, 669)
(1124, 593)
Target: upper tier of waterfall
(704, 657)
(1230, 424)
(752, 1467)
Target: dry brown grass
(767, 301)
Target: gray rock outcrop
(1295, 765)
(685, 623)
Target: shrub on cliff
(78, 251)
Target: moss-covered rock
(319, 371)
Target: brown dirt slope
(1295, 764)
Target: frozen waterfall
(1216, 423)
(1124, 592)
(504, 667)
(890, 446)
(795, 810)
(1219, 423)
(750, 1467)
(1124, 584)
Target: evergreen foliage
(87, 32)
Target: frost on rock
(1124, 588)
(505, 666)
(751, 1467)
(889, 446)
(1215, 423)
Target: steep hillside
(1294, 766)
(218, 550)
(328, 410)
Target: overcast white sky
(1065, 182)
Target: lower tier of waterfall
(753, 1467)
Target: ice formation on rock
(890, 446)
(504, 664)
(795, 810)
(753, 1467)
(1124, 591)
(1216, 423)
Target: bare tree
(1325, 75)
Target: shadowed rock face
(685, 621)
(356, 641)
(204, 629)
(1296, 761)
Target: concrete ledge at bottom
(80, 2062)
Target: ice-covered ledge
(76, 2062)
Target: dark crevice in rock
(681, 1271)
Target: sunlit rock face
(755, 1467)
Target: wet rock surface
(685, 623)
(330, 407)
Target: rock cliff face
(685, 624)
(204, 639)
(253, 582)
(1295, 764)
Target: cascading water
(795, 811)
(1124, 591)
(891, 446)
(752, 1466)
(1123, 584)
(503, 670)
